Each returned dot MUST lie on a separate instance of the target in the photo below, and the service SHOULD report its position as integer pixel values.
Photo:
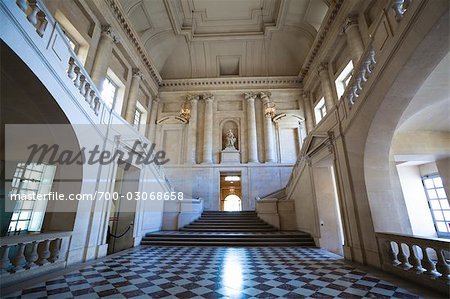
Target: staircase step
(229, 243)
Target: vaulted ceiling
(215, 38)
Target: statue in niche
(231, 140)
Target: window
(30, 179)
(438, 203)
(73, 44)
(343, 79)
(137, 118)
(109, 92)
(320, 110)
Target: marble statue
(231, 140)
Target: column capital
(208, 97)
(322, 69)
(306, 94)
(192, 98)
(265, 96)
(349, 22)
(156, 100)
(137, 73)
(109, 32)
(250, 95)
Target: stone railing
(180, 213)
(19, 254)
(360, 76)
(422, 260)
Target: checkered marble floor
(217, 272)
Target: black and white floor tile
(217, 272)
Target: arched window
(232, 203)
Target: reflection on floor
(217, 272)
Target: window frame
(343, 79)
(116, 89)
(320, 110)
(137, 123)
(438, 199)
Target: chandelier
(269, 109)
(186, 109)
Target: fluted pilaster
(354, 40)
(207, 131)
(192, 145)
(133, 96)
(325, 82)
(269, 142)
(251, 128)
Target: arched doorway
(232, 203)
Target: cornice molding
(321, 35)
(122, 19)
(284, 82)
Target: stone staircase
(229, 229)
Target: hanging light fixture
(186, 108)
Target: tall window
(343, 79)
(109, 92)
(438, 203)
(137, 117)
(30, 179)
(320, 110)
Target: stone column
(152, 123)
(133, 96)
(103, 55)
(307, 111)
(208, 130)
(354, 40)
(192, 146)
(327, 91)
(251, 128)
(268, 131)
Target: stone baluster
(354, 40)
(441, 266)
(54, 250)
(391, 254)
(31, 255)
(402, 256)
(399, 9)
(325, 83)
(97, 105)
(5, 263)
(428, 264)
(19, 260)
(87, 91)
(91, 98)
(133, 96)
(82, 86)
(251, 128)
(42, 23)
(268, 131)
(32, 17)
(78, 75)
(71, 69)
(208, 130)
(103, 55)
(414, 260)
(44, 252)
(23, 5)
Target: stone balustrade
(24, 252)
(360, 76)
(422, 260)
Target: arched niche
(289, 135)
(226, 126)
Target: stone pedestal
(230, 156)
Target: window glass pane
(432, 194)
(441, 193)
(109, 90)
(438, 215)
(435, 205)
(15, 216)
(437, 182)
(27, 205)
(447, 215)
(428, 183)
(24, 215)
(444, 204)
(441, 226)
(22, 225)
